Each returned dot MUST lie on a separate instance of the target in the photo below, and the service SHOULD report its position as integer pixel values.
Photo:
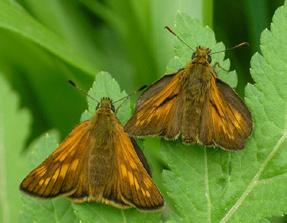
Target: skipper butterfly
(195, 105)
(99, 162)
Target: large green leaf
(14, 126)
(61, 210)
(212, 185)
(17, 20)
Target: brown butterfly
(194, 104)
(99, 162)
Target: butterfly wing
(62, 172)
(158, 110)
(132, 183)
(71, 171)
(226, 121)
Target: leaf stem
(124, 216)
(207, 12)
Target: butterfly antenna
(81, 90)
(128, 96)
(232, 48)
(180, 39)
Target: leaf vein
(207, 193)
(254, 181)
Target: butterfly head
(201, 55)
(106, 104)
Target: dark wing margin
(141, 155)
(154, 88)
(233, 99)
(158, 110)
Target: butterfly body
(194, 104)
(196, 84)
(99, 162)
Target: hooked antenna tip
(170, 30)
(244, 44)
(72, 83)
(142, 87)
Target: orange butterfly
(99, 162)
(194, 104)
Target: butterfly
(195, 105)
(99, 162)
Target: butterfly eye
(209, 59)
(193, 56)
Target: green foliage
(14, 128)
(211, 185)
(106, 86)
(16, 20)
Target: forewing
(154, 89)
(226, 121)
(158, 110)
(132, 183)
(64, 170)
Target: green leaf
(70, 22)
(212, 185)
(194, 34)
(14, 129)
(104, 214)
(106, 86)
(17, 20)
(58, 210)
(61, 210)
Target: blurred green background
(45, 43)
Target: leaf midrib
(254, 181)
(206, 182)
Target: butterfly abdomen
(195, 95)
(102, 151)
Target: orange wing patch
(226, 122)
(135, 184)
(158, 109)
(58, 174)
